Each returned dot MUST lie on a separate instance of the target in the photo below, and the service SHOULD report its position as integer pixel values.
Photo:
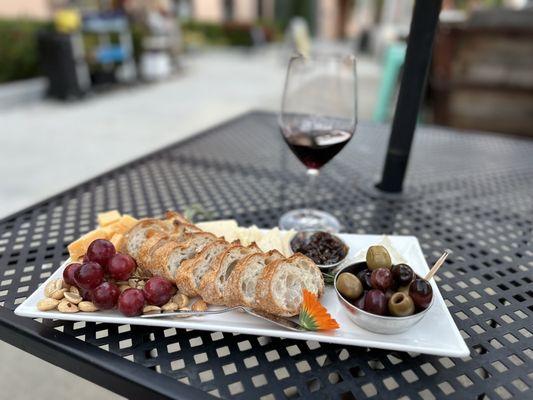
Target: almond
(87, 306)
(47, 304)
(181, 300)
(183, 316)
(73, 297)
(74, 289)
(58, 294)
(50, 288)
(199, 305)
(169, 307)
(151, 310)
(65, 306)
(124, 287)
(60, 284)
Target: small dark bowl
(326, 268)
(372, 322)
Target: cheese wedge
(226, 228)
(123, 225)
(117, 240)
(127, 222)
(108, 217)
(79, 247)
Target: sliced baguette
(241, 285)
(196, 242)
(280, 285)
(136, 236)
(153, 239)
(175, 216)
(212, 285)
(191, 271)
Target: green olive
(349, 285)
(403, 289)
(378, 257)
(401, 305)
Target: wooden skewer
(436, 266)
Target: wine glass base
(307, 219)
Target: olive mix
(383, 288)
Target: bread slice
(280, 286)
(241, 285)
(195, 243)
(159, 260)
(308, 265)
(212, 285)
(191, 271)
(175, 216)
(136, 236)
(153, 239)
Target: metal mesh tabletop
(471, 193)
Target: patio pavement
(48, 146)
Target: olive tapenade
(321, 247)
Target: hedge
(18, 49)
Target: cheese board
(435, 334)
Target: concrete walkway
(47, 146)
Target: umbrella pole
(417, 59)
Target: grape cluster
(102, 266)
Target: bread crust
(154, 243)
(233, 293)
(265, 290)
(185, 276)
(208, 289)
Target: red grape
(89, 275)
(376, 302)
(105, 295)
(101, 251)
(69, 271)
(85, 258)
(381, 279)
(158, 291)
(131, 302)
(86, 294)
(121, 266)
(421, 292)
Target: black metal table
(469, 192)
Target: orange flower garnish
(314, 316)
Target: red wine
(315, 148)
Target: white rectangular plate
(435, 334)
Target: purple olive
(376, 302)
(381, 279)
(360, 302)
(421, 292)
(402, 274)
(364, 277)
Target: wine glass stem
(312, 187)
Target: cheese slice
(79, 247)
(226, 228)
(128, 222)
(117, 240)
(108, 217)
(123, 225)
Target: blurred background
(88, 85)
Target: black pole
(418, 56)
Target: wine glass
(318, 117)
